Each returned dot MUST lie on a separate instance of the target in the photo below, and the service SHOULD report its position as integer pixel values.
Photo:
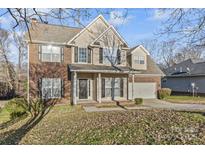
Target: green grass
(4, 115)
(186, 99)
(65, 124)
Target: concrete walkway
(151, 104)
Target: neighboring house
(75, 64)
(186, 77)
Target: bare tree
(113, 54)
(4, 58)
(188, 53)
(185, 25)
(154, 48)
(23, 16)
(20, 44)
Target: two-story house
(91, 64)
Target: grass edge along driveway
(186, 99)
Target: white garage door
(142, 90)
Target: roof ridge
(52, 24)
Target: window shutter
(121, 87)
(89, 55)
(119, 56)
(62, 88)
(40, 53)
(101, 55)
(103, 87)
(76, 54)
(40, 88)
(62, 55)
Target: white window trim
(137, 59)
(109, 63)
(51, 53)
(52, 97)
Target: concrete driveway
(152, 104)
(160, 104)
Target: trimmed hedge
(138, 101)
(164, 92)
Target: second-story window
(82, 55)
(110, 55)
(50, 53)
(139, 60)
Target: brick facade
(156, 79)
(38, 70)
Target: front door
(83, 88)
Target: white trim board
(78, 34)
(143, 48)
(114, 30)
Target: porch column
(99, 88)
(74, 88)
(128, 87)
(133, 78)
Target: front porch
(99, 87)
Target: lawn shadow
(11, 122)
(12, 137)
(118, 104)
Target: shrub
(164, 92)
(15, 114)
(16, 107)
(138, 101)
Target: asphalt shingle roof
(189, 68)
(51, 33)
(96, 68)
(152, 68)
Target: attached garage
(142, 90)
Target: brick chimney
(34, 20)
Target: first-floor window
(51, 88)
(110, 85)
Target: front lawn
(71, 125)
(186, 99)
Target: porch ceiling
(97, 68)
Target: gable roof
(78, 34)
(189, 67)
(137, 47)
(114, 30)
(59, 34)
(49, 33)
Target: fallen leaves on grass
(74, 126)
